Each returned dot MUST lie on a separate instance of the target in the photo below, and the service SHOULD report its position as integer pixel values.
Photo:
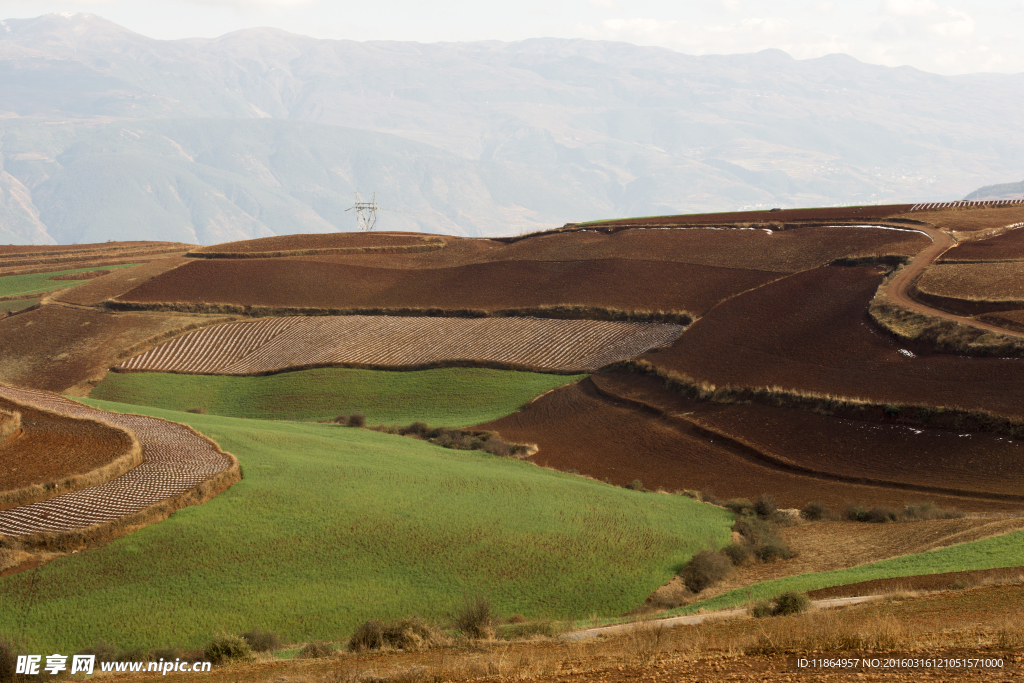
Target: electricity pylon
(366, 212)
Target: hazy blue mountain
(1003, 191)
(107, 134)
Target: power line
(366, 212)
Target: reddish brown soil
(955, 463)
(53, 447)
(1010, 320)
(614, 283)
(57, 348)
(58, 249)
(835, 213)
(578, 428)
(926, 582)
(810, 331)
(1007, 246)
(118, 282)
(335, 240)
(970, 219)
(785, 251)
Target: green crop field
(450, 397)
(990, 553)
(332, 525)
(14, 285)
(17, 304)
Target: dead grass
(10, 422)
(970, 218)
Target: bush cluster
(458, 439)
(356, 419)
(316, 650)
(227, 647)
(475, 618)
(262, 641)
(405, 634)
(911, 513)
(790, 602)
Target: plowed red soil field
(334, 240)
(782, 251)
(38, 259)
(1007, 246)
(970, 219)
(832, 213)
(57, 348)
(810, 331)
(614, 283)
(118, 282)
(276, 344)
(578, 428)
(856, 451)
(52, 447)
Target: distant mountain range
(1004, 191)
(107, 134)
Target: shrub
(516, 619)
(635, 485)
(922, 511)
(765, 507)
(705, 569)
(316, 650)
(198, 410)
(791, 602)
(856, 513)
(103, 651)
(879, 515)
(496, 446)
(761, 610)
(814, 512)
(262, 641)
(474, 618)
(227, 647)
(772, 551)
(739, 505)
(340, 419)
(417, 428)
(168, 654)
(406, 634)
(8, 661)
(357, 419)
(739, 554)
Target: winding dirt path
(900, 286)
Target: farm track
(176, 460)
(899, 289)
(278, 344)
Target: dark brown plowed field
(631, 285)
(810, 331)
(24, 250)
(118, 282)
(925, 582)
(970, 219)
(958, 462)
(334, 240)
(1011, 320)
(783, 251)
(834, 213)
(53, 447)
(577, 428)
(56, 348)
(1007, 246)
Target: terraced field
(1008, 246)
(176, 461)
(277, 344)
(52, 453)
(337, 242)
(972, 288)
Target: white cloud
(908, 8)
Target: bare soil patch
(58, 348)
(834, 213)
(613, 283)
(970, 218)
(579, 428)
(55, 454)
(1005, 247)
(331, 240)
(973, 287)
(927, 582)
(118, 282)
(810, 332)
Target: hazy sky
(942, 36)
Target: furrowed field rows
(176, 460)
(274, 344)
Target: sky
(941, 36)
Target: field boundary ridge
(127, 459)
(434, 245)
(83, 537)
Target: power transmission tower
(366, 212)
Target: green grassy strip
(451, 397)
(13, 285)
(17, 304)
(332, 526)
(990, 553)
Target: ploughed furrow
(275, 344)
(175, 460)
(224, 344)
